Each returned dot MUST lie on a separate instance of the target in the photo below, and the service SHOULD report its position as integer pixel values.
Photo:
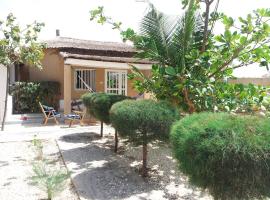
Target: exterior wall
(3, 79)
(53, 69)
(100, 82)
(256, 81)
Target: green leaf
(220, 38)
(227, 35)
(228, 22)
(243, 40)
(170, 71)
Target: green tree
(191, 59)
(143, 121)
(99, 105)
(19, 45)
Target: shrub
(142, 121)
(27, 95)
(99, 105)
(227, 154)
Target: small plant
(229, 155)
(142, 121)
(49, 179)
(38, 147)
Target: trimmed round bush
(99, 105)
(142, 121)
(227, 154)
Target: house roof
(106, 58)
(65, 42)
(95, 50)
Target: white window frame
(75, 78)
(116, 70)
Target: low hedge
(142, 121)
(99, 105)
(228, 155)
(26, 95)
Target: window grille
(85, 78)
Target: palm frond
(168, 39)
(183, 37)
(158, 27)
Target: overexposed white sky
(72, 17)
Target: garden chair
(49, 113)
(77, 114)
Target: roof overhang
(105, 64)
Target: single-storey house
(82, 64)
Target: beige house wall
(100, 82)
(53, 69)
(256, 81)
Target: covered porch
(82, 76)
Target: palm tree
(168, 40)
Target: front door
(116, 81)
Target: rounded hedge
(99, 104)
(155, 118)
(227, 154)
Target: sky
(72, 17)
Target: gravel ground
(100, 174)
(16, 169)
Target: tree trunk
(144, 167)
(191, 106)
(49, 194)
(101, 129)
(206, 24)
(115, 141)
(6, 99)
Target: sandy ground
(100, 174)
(97, 172)
(16, 169)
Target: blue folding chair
(49, 113)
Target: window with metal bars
(85, 79)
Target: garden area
(198, 137)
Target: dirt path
(16, 168)
(99, 174)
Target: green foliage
(133, 118)
(142, 121)
(187, 65)
(19, 44)
(227, 154)
(225, 97)
(28, 94)
(49, 179)
(99, 104)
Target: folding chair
(77, 114)
(49, 113)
